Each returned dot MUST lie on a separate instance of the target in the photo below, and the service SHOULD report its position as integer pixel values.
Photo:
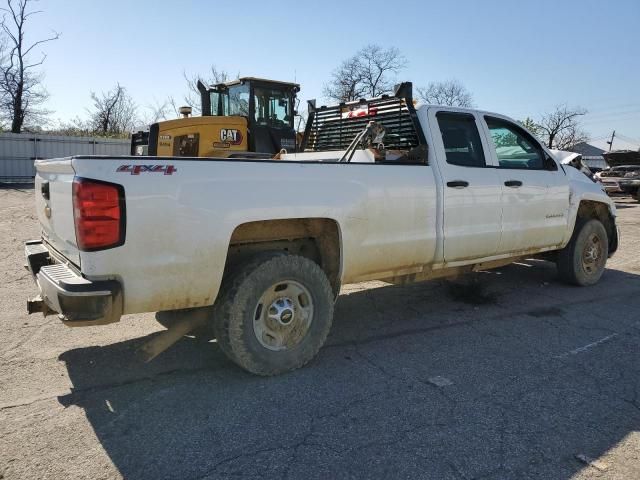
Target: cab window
(217, 100)
(273, 107)
(514, 147)
(461, 140)
(236, 101)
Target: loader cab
(268, 107)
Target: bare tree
(192, 97)
(561, 129)
(365, 74)
(75, 127)
(450, 92)
(530, 124)
(169, 108)
(377, 64)
(114, 113)
(21, 91)
(570, 137)
(346, 82)
(160, 110)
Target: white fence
(19, 150)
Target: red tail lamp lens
(98, 210)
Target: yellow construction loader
(245, 115)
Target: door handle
(513, 183)
(458, 184)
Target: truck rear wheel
(274, 313)
(583, 260)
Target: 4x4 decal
(138, 169)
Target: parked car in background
(630, 183)
(611, 177)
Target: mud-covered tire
(239, 307)
(576, 262)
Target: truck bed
(182, 212)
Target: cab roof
(256, 79)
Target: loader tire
(583, 260)
(273, 313)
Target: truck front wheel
(583, 260)
(273, 313)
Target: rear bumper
(79, 301)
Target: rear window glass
(462, 144)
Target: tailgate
(54, 205)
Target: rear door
(535, 190)
(472, 206)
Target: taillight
(98, 211)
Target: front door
(472, 189)
(535, 191)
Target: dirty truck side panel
(179, 225)
(583, 189)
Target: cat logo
(231, 136)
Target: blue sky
(517, 58)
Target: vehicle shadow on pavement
(414, 382)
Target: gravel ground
(529, 379)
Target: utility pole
(613, 135)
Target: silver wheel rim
(592, 254)
(283, 315)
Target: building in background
(593, 157)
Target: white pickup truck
(261, 247)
